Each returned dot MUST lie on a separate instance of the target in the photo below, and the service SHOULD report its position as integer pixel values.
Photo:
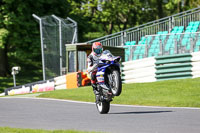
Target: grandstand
(176, 34)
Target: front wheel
(116, 83)
(103, 107)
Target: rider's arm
(92, 68)
(91, 65)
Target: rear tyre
(116, 83)
(103, 107)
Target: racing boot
(107, 92)
(96, 92)
(105, 87)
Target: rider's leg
(94, 85)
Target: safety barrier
(173, 66)
(195, 64)
(178, 66)
(162, 68)
(142, 70)
(72, 80)
(39, 86)
(60, 82)
(48, 86)
(2, 94)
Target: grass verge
(171, 93)
(18, 130)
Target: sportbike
(108, 71)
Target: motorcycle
(108, 71)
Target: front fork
(105, 94)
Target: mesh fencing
(55, 34)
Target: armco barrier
(177, 66)
(2, 94)
(57, 83)
(142, 70)
(162, 68)
(48, 86)
(60, 82)
(195, 64)
(22, 90)
(39, 86)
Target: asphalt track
(60, 114)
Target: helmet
(97, 48)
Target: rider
(93, 60)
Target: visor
(98, 51)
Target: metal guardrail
(174, 66)
(27, 85)
(164, 24)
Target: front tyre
(103, 107)
(116, 83)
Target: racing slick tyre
(103, 107)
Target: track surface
(55, 114)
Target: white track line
(119, 105)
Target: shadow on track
(142, 112)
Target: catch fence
(55, 32)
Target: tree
(19, 31)
(3, 49)
(176, 6)
(19, 34)
(107, 15)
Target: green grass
(172, 93)
(18, 130)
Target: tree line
(19, 32)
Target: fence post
(125, 38)
(176, 45)
(146, 47)
(146, 50)
(75, 37)
(60, 41)
(131, 53)
(122, 38)
(170, 24)
(42, 44)
(191, 44)
(161, 45)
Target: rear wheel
(115, 83)
(103, 107)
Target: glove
(90, 69)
